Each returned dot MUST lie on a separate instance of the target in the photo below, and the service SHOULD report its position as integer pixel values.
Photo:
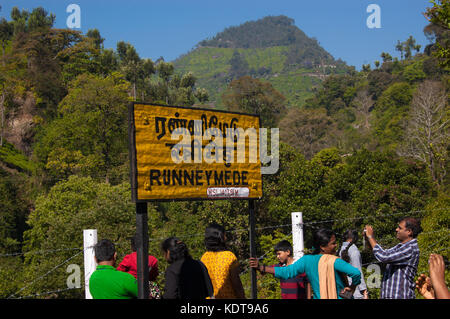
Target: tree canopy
(357, 147)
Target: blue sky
(169, 28)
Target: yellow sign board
(181, 153)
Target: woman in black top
(185, 277)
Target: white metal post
(297, 235)
(89, 241)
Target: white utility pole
(297, 235)
(89, 241)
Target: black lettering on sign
(175, 122)
(227, 177)
(177, 177)
(163, 126)
(189, 177)
(218, 179)
(208, 176)
(166, 177)
(154, 175)
(197, 178)
(236, 181)
(244, 178)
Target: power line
(47, 273)
(244, 229)
(38, 252)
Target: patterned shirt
(293, 288)
(219, 265)
(398, 278)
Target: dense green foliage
(357, 148)
(267, 32)
(254, 97)
(439, 16)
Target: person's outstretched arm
(253, 261)
(437, 275)
(368, 233)
(286, 272)
(398, 255)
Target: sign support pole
(142, 250)
(251, 216)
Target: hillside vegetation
(272, 49)
(357, 148)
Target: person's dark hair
(353, 236)
(104, 250)
(215, 238)
(283, 245)
(321, 238)
(176, 248)
(413, 225)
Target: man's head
(408, 228)
(105, 252)
(283, 250)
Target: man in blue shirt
(401, 260)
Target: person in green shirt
(106, 282)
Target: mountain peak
(266, 32)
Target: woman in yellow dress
(222, 265)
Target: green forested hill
(272, 49)
(357, 148)
(266, 32)
(211, 66)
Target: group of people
(323, 274)
(216, 275)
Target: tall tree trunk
(428, 129)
